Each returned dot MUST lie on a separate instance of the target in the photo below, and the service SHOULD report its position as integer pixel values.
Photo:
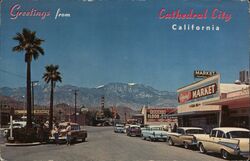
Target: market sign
(38, 112)
(204, 90)
(159, 115)
(203, 74)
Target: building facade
(198, 103)
(158, 116)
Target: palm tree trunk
(51, 106)
(28, 93)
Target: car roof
(66, 123)
(119, 124)
(190, 128)
(134, 126)
(228, 129)
(152, 126)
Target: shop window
(211, 119)
(233, 112)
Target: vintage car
(154, 133)
(119, 128)
(226, 141)
(134, 130)
(185, 136)
(77, 134)
(15, 125)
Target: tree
(107, 113)
(31, 46)
(51, 75)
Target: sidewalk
(23, 144)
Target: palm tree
(31, 45)
(51, 75)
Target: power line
(11, 73)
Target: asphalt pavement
(104, 145)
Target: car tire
(202, 149)
(225, 154)
(83, 139)
(186, 146)
(151, 139)
(170, 142)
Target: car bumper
(244, 154)
(59, 138)
(120, 131)
(193, 144)
(134, 134)
(160, 137)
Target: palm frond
(39, 49)
(35, 54)
(17, 48)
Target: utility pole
(102, 103)
(75, 103)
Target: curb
(23, 144)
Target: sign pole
(11, 124)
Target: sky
(106, 41)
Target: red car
(134, 130)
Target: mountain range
(129, 95)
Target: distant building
(244, 76)
(159, 116)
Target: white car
(16, 124)
(119, 128)
(154, 133)
(185, 136)
(225, 140)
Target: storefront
(198, 103)
(158, 116)
(235, 108)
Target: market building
(208, 103)
(158, 116)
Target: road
(104, 145)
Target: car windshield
(119, 125)
(156, 128)
(75, 127)
(239, 134)
(135, 128)
(195, 131)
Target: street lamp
(33, 83)
(23, 105)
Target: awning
(194, 113)
(241, 101)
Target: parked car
(119, 128)
(134, 130)
(227, 141)
(76, 132)
(16, 125)
(185, 136)
(154, 133)
(126, 127)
